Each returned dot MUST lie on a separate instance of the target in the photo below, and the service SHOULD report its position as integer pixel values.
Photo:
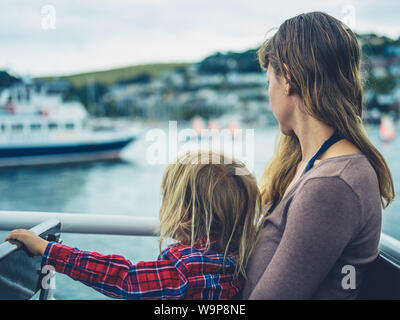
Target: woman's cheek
(273, 103)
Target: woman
(323, 189)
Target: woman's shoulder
(354, 172)
(352, 168)
(337, 165)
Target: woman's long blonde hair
(322, 57)
(207, 195)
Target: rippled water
(129, 187)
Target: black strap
(336, 136)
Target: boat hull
(61, 153)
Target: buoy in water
(198, 126)
(234, 129)
(213, 126)
(387, 131)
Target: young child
(210, 207)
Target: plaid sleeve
(115, 276)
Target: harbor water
(131, 187)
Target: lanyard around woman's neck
(335, 137)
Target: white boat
(38, 128)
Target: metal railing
(82, 223)
(122, 225)
(127, 225)
(390, 249)
(21, 275)
(137, 226)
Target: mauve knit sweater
(329, 219)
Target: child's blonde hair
(209, 195)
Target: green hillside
(112, 76)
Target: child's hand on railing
(33, 243)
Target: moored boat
(37, 128)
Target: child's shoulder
(197, 253)
(180, 250)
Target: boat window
(3, 127)
(35, 126)
(53, 125)
(17, 127)
(70, 126)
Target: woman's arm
(321, 220)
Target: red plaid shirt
(181, 272)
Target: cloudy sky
(56, 37)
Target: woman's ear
(285, 81)
(287, 73)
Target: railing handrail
(82, 223)
(125, 225)
(7, 248)
(390, 249)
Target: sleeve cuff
(56, 255)
(46, 253)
